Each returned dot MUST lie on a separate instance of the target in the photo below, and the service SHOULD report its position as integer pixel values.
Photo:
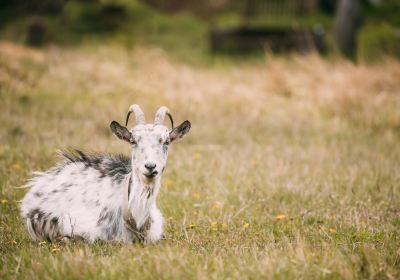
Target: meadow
(291, 169)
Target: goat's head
(149, 142)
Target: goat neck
(141, 197)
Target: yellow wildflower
(16, 166)
(280, 217)
(3, 201)
(246, 225)
(55, 248)
(196, 156)
(254, 162)
(191, 226)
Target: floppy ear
(121, 131)
(179, 131)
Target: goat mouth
(150, 175)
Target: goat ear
(120, 131)
(179, 131)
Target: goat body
(83, 198)
(105, 197)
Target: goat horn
(160, 115)
(140, 119)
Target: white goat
(105, 197)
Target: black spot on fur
(129, 185)
(65, 186)
(36, 213)
(115, 166)
(56, 170)
(150, 193)
(44, 223)
(38, 194)
(42, 226)
(148, 190)
(106, 216)
(54, 222)
(111, 229)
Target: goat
(105, 197)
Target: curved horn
(140, 119)
(160, 116)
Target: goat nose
(150, 166)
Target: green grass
(377, 41)
(183, 35)
(290, 171)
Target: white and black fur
(84, 198)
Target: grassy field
(291, 169)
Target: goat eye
(166, 143)
(132, 141)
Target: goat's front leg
(156, 229)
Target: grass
(378, 40)
(184, 36)
(290, 171)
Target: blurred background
(193, 30)
(290, 169)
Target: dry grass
(291, 169)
